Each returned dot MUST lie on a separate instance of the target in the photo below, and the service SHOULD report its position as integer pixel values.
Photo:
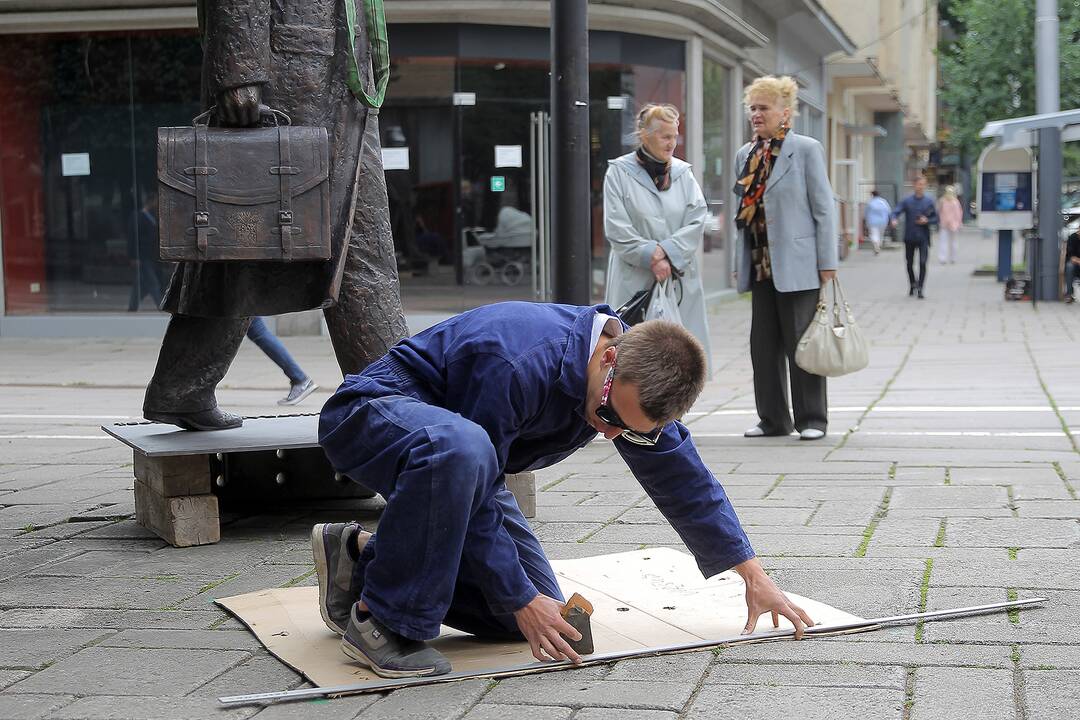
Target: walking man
(919, 214)
(435, 424)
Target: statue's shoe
(212, 419)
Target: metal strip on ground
(539, 667)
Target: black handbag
(633, 310)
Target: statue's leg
(195, 355)
(368, 318)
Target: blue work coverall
(434, 425)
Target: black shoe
(921, 296)
(911, 291)
(388, 654)
(212, 419)
(334, 563)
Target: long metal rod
(538, 667)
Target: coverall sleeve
(684, 242)
(691, 499)
(625, 240)
(488, 392)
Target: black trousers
(778, 321)
(923, 246)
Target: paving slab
(496, 711)
(1051, 695)
(130, 671)
(433, 702)
(33, 649)
(31, 707)
(126, 707)
(948, 693)
(768, 703)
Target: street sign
(498, 183)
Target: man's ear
(610, 352)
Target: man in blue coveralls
(435, 424)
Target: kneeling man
(435, 424)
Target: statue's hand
(239, 106)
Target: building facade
(85, 88)
(882, 101)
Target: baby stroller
(505, 253)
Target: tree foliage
(988, 72)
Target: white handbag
(833, 344)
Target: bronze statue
(292, 55)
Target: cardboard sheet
(643, 599)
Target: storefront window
(78, 158)
(77, 165)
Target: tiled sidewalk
(949, 477)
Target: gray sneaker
(334, 566)
(388, 654)
(298, 392)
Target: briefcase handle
(264, 111)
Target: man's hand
(540, 622)
(826, 275)
(239, 106)
(1075, 260)
(762, 596)
(921, 220)
(892, 223)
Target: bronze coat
(297, 50)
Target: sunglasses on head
(609, 416)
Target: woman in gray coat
(785, 251)
(654, 219)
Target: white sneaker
(298, 392)
(811, 434)
(755, 431)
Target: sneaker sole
(358, 655)
(318, 552)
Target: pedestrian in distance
(300, 384)
(143, 254)
(434, 426)
(785, 251)
(877, 218)
(951, 215)
(919, 214)
(1072, 265)
(654, 219)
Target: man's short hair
(667, 365)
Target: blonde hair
(653, 113)
(784, 89)
(950, 191)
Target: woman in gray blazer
(786, 250)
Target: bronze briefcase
(243, 193)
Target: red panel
(21, 182)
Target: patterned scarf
(660, 172)
(750, 188)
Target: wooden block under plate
(181, 521)
(174, 475)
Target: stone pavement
(949, 477)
